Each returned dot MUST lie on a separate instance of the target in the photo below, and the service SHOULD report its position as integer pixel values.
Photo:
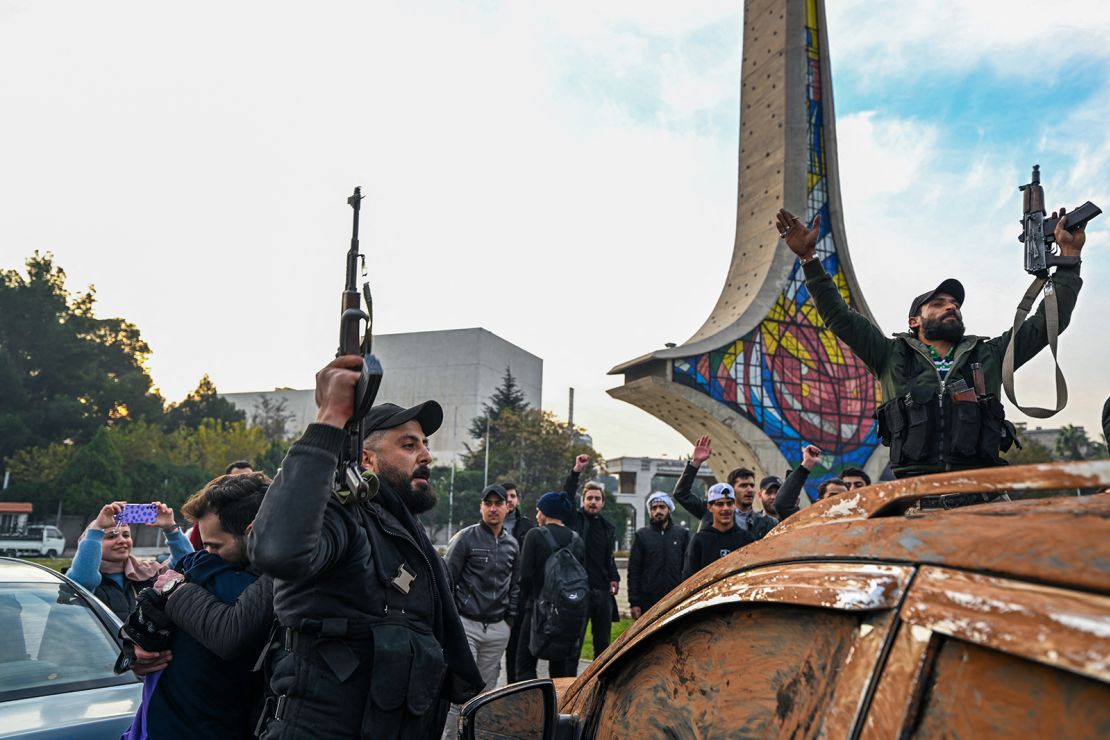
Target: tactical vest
(927, 427)
(385, 662)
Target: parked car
(37, 540)
(57, 652)
(877, 613)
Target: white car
(57, 652)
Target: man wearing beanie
(658, 550)
(552, 510)
(368, 642)
(712, 544)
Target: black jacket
(601, 566)
(761, 523)
(120, 600)
(536, 551)
(335, 561)
(655, 564)
(482, 569)
(518, 525)
(228, 630)
(709, 545)
(786, 500)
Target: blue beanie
(556, 505)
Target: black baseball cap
(771, 481)
(951, 286)
(495, 490)
(388, 415)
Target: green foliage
(272, 418)
(1031, 452)
(1074, 444)
(507, 397)
(64, 372)
(202, 405)
(616, 631)
(93, 477)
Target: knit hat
(556, 505)
(660, 496)
(720, 491)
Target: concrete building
(460, 368)
(763, 375)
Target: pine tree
(507, 397)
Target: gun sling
(1052, 326)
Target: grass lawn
(52, 563)
(616, 631)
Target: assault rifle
(1038, 234)
(349, 478)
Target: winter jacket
(518, 525)
(600, 563)
(709, 545)
(364, 594)
(786, 500)
(536, 551)
(760, 525)
(903, 363)
(655, 564)
(200, 693)
(482, 569)
(228, 630)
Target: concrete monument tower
(763, 375)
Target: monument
(763, 376)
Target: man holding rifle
(941, 387)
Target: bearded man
(369, 642)
(942, 409)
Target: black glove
(148, 626)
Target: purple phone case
(137, 514)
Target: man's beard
(417, 495)
(940, 329)
(659, 518)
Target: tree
(64, 372)
(215, 443)
(272, 418)
(93, 477)
(1031, 452)
(507, 397)
(1074, 444)
(200, 405)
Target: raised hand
(802, 241)
(811, 455)
(164, 519)
(106, 519)
(335, 390)
(581, 462)
(703, 448)
(1071, 243)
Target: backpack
(563, 605)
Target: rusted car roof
(1058, 541)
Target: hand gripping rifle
(1038, 235)
(349, 478)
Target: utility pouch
(997, 434)
(892, 427)
(965, 433)
(921, 411)
(407, 673)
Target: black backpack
(563, 605)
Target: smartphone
(138, 514)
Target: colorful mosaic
(790, 375)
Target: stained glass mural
(790, 375)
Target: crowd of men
(295, 611)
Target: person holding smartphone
(104, 563)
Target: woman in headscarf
(104, 563)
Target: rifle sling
(1052, 326)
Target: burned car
(877, 613)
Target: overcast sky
(560, 173)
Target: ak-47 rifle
(1038, 234)
(349, 477)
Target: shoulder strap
(1052, 326)
(550, 538)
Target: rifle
(349, 477)
(1038, 234)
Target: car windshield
(51, 641)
